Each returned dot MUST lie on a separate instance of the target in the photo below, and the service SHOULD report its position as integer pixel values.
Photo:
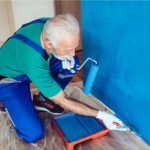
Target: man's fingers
(72, 62)
(68, 63)
(122, 128)
(119, 125)
(63, 64)
(118, 122)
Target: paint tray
(75, 129)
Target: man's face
(66, 47)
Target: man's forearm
(73, 106)
(79, 108)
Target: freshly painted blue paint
(75, 127)
(117, 35)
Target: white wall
(27, 10)
(14, 13)
(3, 21)
(6, 20)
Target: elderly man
(42, 52)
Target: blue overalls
(16, 97)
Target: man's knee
(35, 136)
(32, 135)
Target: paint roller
(91, 75)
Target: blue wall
(117, 35)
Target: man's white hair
(60, 27)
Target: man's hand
(34, 91)
(111, 122)
(68, 63)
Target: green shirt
(17, 58)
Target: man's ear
(48, 44)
